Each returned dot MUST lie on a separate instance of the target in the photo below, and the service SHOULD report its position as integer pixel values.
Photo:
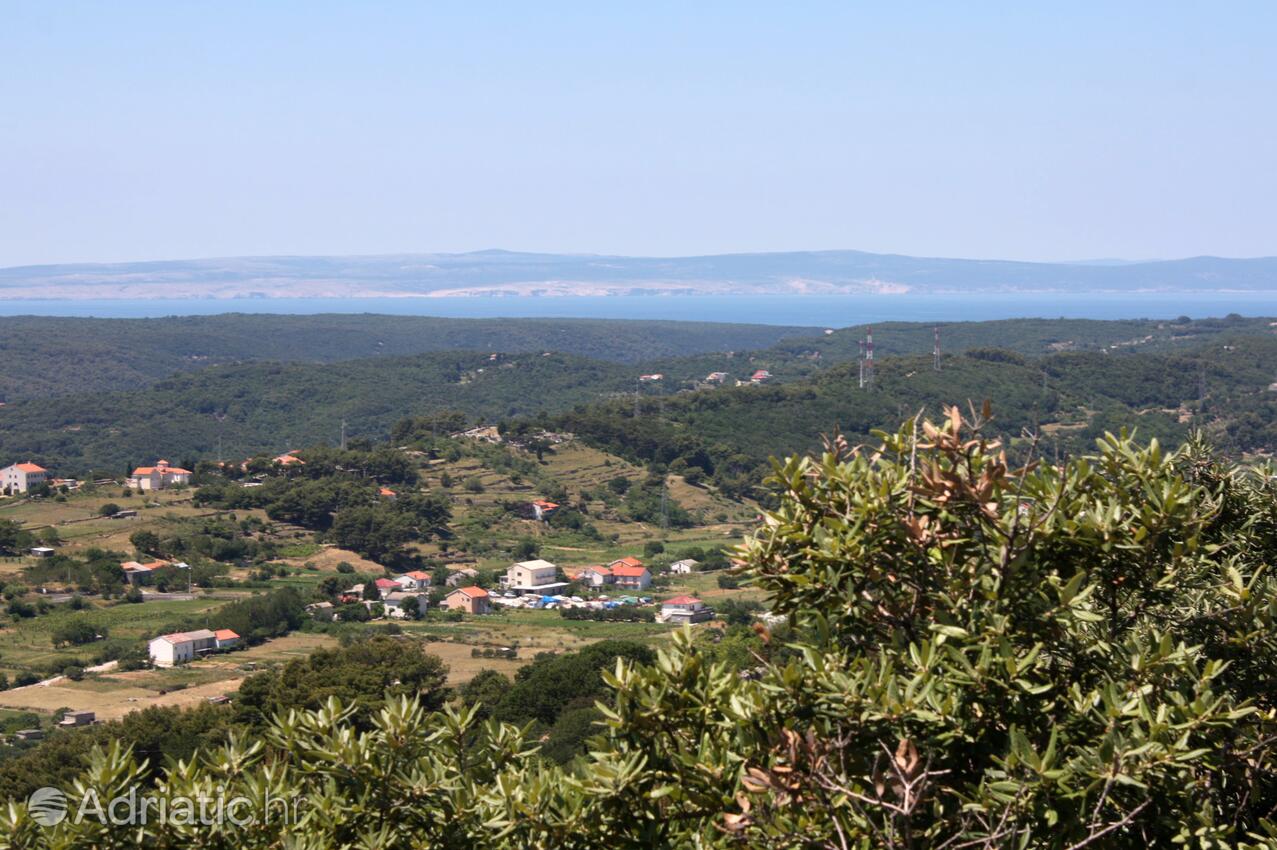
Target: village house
(78, 718)
(395, 600)
(534, 576)
(226, 639)
(462, 577)
(685, 566)
(415, 580)
(136, 573)
(760, 377)
(168, 650)
(595, 576)
(354, 593)
(631, 577)
(42, 552)
(21, 477)
(472, 600)
(716, 377)
(648, 379)
(685, 610)
(159, 477)
(386, 585)
(290, 459)
(542, 509)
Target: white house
(226, 638)
(167, 650)
(534, 576)
(543, 509)
(395, 600)
(595, 576)
(631, 577)
(159, 477)
(683, 610)
(687, 565)
(21, 477)
(415, 580)
(462, 577)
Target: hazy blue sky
(164, 130)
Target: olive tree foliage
(980, 654)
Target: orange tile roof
(542, 503)
(385, 491)
(418, 575)
(627, 561)
(603, 571)
(30, 467)
(225, 634)
(682, 600)
(627, 571)
(171, 470)
(472, 592)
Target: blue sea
(810, 310)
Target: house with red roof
(542, 509)
(137, 573)
(386, 585)
(21, 477)
(595, 576)
(630, 576)
(159, 477)
(415, 580)
(290, 459)
(685, 610)
(472, 600)
(225, 638)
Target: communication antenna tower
(869, 358)
(935, 352)
(861, 360)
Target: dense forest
(48, 356)
(1075, 379)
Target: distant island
(510, 274)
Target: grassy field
(26, 643)
(115, 694)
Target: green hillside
(274, 407)
(45, 356)
(1072, 398)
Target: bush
(109, 509)
(74, 633)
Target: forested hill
(274, 407)
(1071, 398)
(45, 357)
(728, 432)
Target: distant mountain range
(505, 273)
